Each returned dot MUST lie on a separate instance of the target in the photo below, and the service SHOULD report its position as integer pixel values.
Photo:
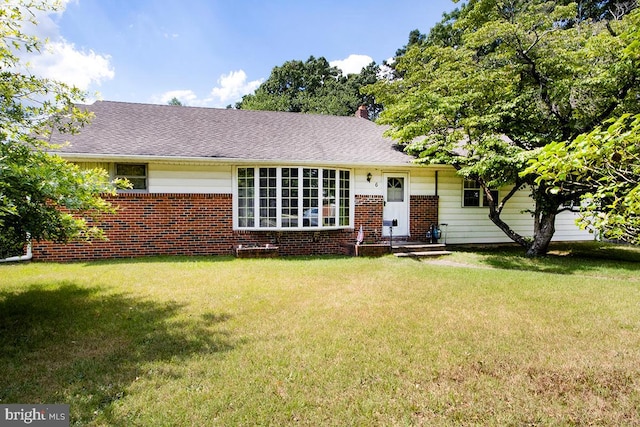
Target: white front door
(396, 203)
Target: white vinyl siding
(465, 225)
(474, 225)
(200, 179)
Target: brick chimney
(362, 112)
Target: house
(206, 181)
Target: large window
(474, 196)
(293, 198)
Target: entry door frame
(396, 209)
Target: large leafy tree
(605, 163)
(508, 78)
(41, 195)
(312, 86)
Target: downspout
(26, 257)
(436, 183)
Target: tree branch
(495, 211)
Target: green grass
(478, 338)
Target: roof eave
(84, 157)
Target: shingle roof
(146, 130)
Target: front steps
(419, 249)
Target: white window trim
(301, 208)
(481, 204)
(114, 168)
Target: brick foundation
(202, 224)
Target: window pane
(474, 195)
(246, 198)
(471, 197)
(138, 183)
(395, 190)
(345, 200)
(125, 169)
(471, 184)
(289, 199)
(310, 198)
(268, 198)
(329, 197)
(135, 173)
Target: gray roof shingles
(147, 130)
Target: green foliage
(500, 80)
(602, 166)
(606, 164)
(41, 195)
(175, 102)
(312, 87)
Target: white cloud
(231, 87)
(353, 64)
(186, 97)
(61, 60)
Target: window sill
(281, 229)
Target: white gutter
(79, 157)
(26, 257)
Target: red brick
(201, 224)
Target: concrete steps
(419, 249)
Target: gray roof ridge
(219, 109)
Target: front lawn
(477, 338)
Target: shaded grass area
(327, 341)
(71, 343)
(588, 258)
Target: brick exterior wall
(154, 224)
(424, 212)
(202, 224)
(369, 215)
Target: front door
(396, 203)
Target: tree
(41, 195)
(313, 86)
(605, 163)
(521, 75)
(176, 102)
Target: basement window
(136, 174)
(472, 192)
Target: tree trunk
(544, 228)
(544, 219)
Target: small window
(136, 174)
(395, 190)
(471, 194)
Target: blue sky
(211, 52)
